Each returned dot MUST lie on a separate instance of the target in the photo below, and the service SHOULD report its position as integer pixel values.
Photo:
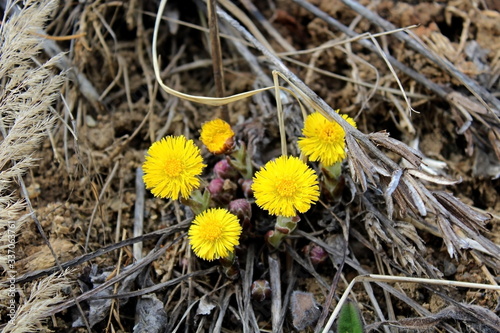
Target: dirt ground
(86, 197)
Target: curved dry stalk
(397, 279)
(213, 101)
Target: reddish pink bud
(246, 187)
(223, 169)
(221, 191)
(242, 209)
(261, 290)
(216, 186)
(316, 253)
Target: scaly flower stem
(284, 226)
(241, 161)
(230, 266)
(198, 202)
(331, 182)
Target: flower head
(324, 140)
(172, 167)
(214, 233)
(285, 186)
(218, 136)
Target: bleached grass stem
(397, 279)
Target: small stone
(261, 290)
(449, 268)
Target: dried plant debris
(305, 312)
(476, 317)
(150, 315)
(399, 194)
(28, 90)
(100, 302)
(44, 295)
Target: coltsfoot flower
(214, 234)
(218, 136)
(172, 167)
(285, 186)
(324, 140)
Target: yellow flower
(324, 140)
(284, 186)
(172, 167)
(214, 233)
(218, 136)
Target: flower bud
(242, 209)
(260, 290)
(218, 136)
(246, 187)
(223, 169)
(216, 186)
(316, 253)
(221, 191)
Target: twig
(224, 304)
(247, 22)
(47, 242)
(157, 287)
(140, 193)
(396, 279)
(275, 281)
(101, 195)
(249, 320)
(252, 9)
(89, 256)
(292, 281)
(331, 293)
(217, 64)
(152, 256)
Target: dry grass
(28, 90)
(400, 210)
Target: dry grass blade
(215, 47)
(29, 89)
(213, 101)
(480, 318)
(44, 295)
(393, 279)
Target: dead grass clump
(43, 296)
(29, 89)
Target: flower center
(212, 231)
(330, 132)
(286, 187)
(173, 167)
(219, 139)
